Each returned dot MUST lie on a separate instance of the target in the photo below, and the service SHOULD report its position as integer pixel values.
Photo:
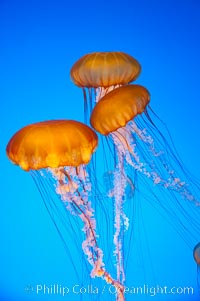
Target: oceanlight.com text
(77, 289)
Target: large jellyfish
(58, 151)
(100, 72)
(142, 150)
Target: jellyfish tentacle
(102, 91)
(163, 174)
(79, 199)
(157, 169)
(121, 221)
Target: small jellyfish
(196, 254)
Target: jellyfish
(59, 151)
(196, 254)
(141, 148)
(101, 72)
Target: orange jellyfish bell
(104, 69)
(118, 107)
(52, 144)
(196, 253)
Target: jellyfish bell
(52, 144)
(98, 73)
(105, 69)
(196, 254)
(118, 107)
